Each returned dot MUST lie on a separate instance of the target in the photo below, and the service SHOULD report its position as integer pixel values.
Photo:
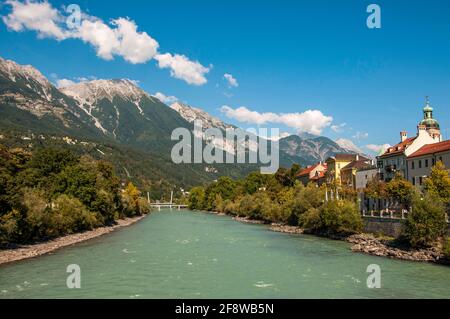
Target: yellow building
(348, 173)
(336, 163)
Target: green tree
(338, 217)
(426, 222)
(438, 184)
(197, 198)
(253, 182)
(400, 190)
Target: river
(183, 254)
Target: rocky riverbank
(369, 244)
(29, 251)
(248, 220)
(286, 229)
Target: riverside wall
(386, 226)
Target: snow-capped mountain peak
(191, 114)
(95, 90)
(27, 75)
(28, 72)
(348, 145)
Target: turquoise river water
(183, 254)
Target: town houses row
(412, 158)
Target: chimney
(403, 136)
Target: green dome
(428, 120)
(430, 123)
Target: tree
(426, 223)
(337, 217)
(197, 198)
(400, 190)
(130, 199)
(225, 187)
(253, 182)
(438, 184)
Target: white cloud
(378, 148)
(311, 121)
(349, 145)
(37, 16)
(120, 37)
(182, 68)
(361, 135)
(232, 82)
(61, 83)
(165, 99)
(338, 128)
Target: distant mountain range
(120, 118)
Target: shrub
(197, 198)
(446, 249)
(9, 227)
(229, 207)
(426, 223)
(71, 215)
(248, 207)
(334, 217)
(273, 212)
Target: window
(426, 163)
(380, 164)
(433, 161)
(420, 180)
(414, 181)
(412, 165)
(440, 158)
(420, 163)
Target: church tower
(429, 123)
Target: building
(336, 163)
(394, 160)
(312, 173)
(364, 176)
(421, 161)
(348, 173)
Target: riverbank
(367, 244)
(33, 250)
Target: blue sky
(287, 57)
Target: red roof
(399, 148)
(432, 148)
(308, 170)
(319, 175)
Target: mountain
(310, 150)
(29, 101)
(126, 113)
(191, 114)
(117, 121)
(348, 145)
(304, 149)
(113, 120)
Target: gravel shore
(38, 249)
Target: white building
(421, 162)
(395, 158)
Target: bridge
(159, 206)
(170, 205)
